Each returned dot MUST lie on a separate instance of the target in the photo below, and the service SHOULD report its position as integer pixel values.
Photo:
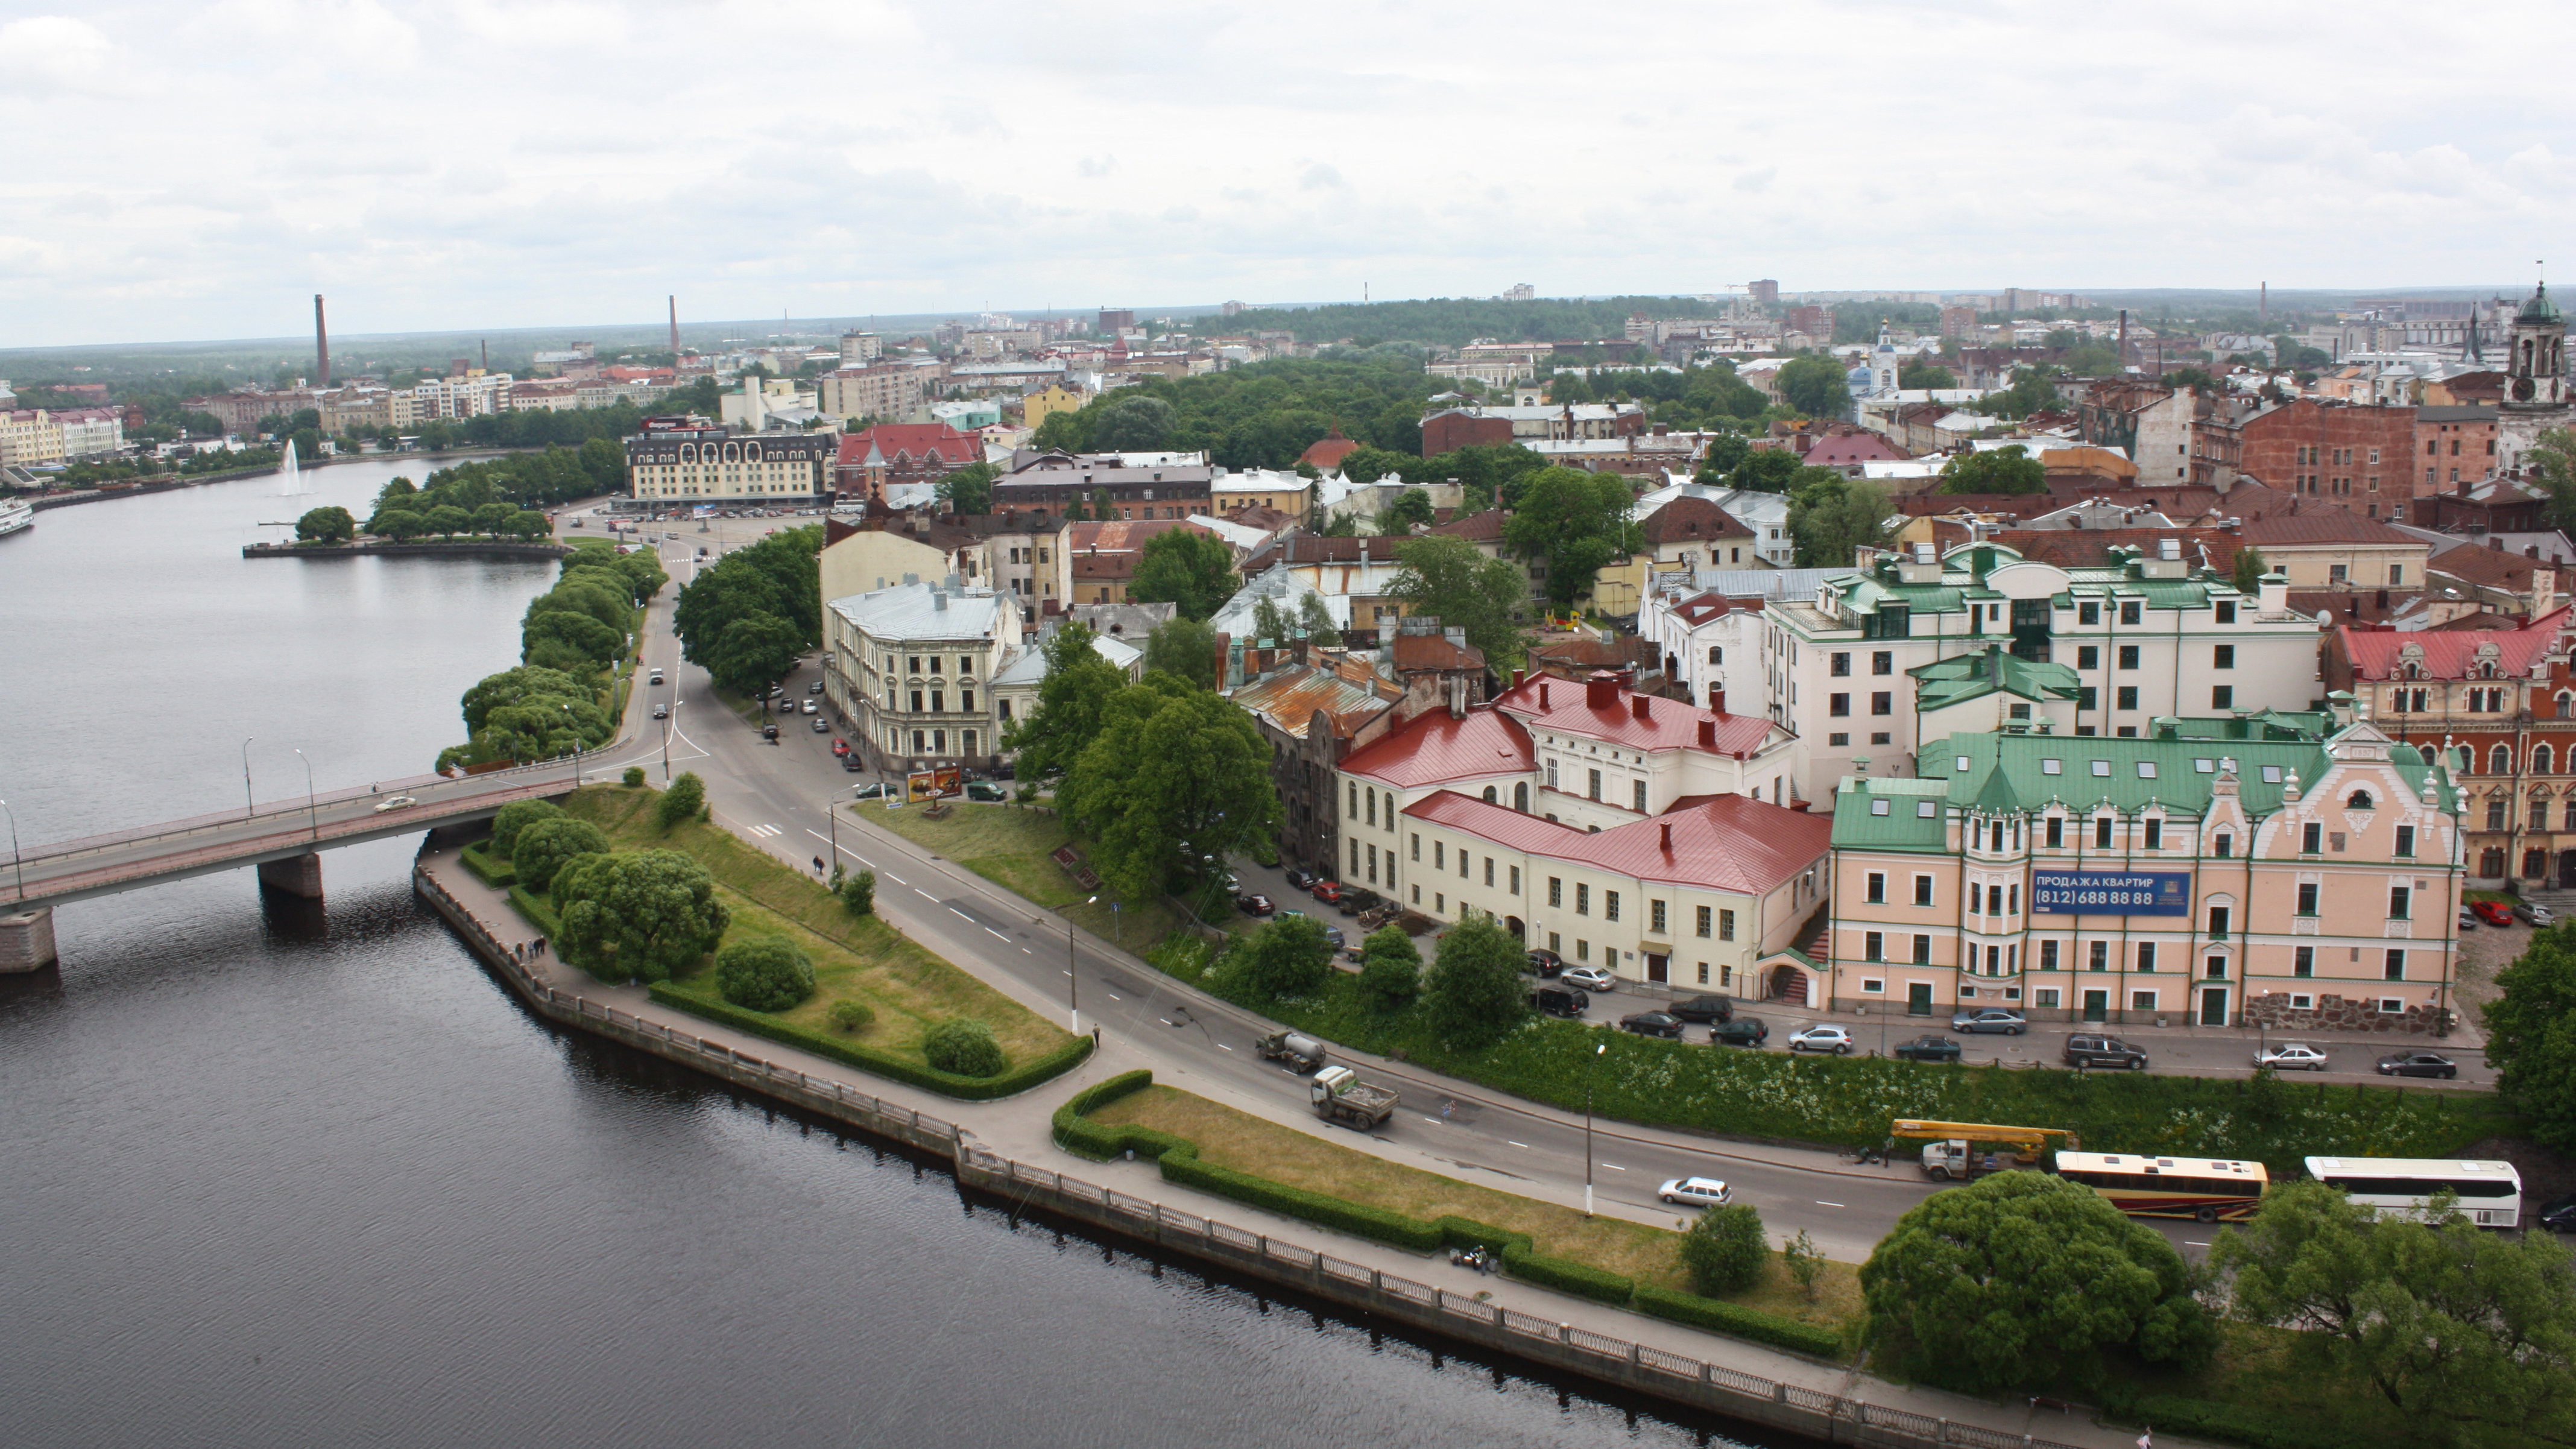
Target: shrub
(852, 1016)
(641, 915)
(901, 1068)
(546, 845)
(1724, 1249)
(686, 797)
(516, 816)
(2253, 1424)
(1288, 956)
(965, 1047)
(1739, 1321)
(1390, 967)
(633, 778)
(1804, 1263)
(494, 873)
(764, 973)
(859, 893)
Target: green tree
(642, 916)
(1925, 375)
(752, 653)
(1390, 967)
(1805, 1264)
(495, 518)
(449, 521)
(1830, 516)
(542, 848)
(2008, 469)
(1316, 619)
(1269, 621)
(968, 489)
(516, 816)
(764, 973)
(1574, 520)
(2027, 1279)
(1815, 387)
(1475, 990)
(2551, 460)
(1766, 470)
(2450, 1325)
(1185, 567)
(331, 524)
(1448, 578)
(563, 639)
(858, 893)
(1406, 509)
(852, 1016)
(682, 802)
(1724, 1250)
(1175, 774)
(1726, 452)
(1288, 958)
(1141, 424)
(2249, 570)
(633, 778)
(398, 524)
(2531, 1036)
(966, 1047)
(1185, 649)
(2031, 390)
(1073, 701)
(2182, 377)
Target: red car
(840, 747)
(1330, 892)
(2493, 913)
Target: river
(283, 1175)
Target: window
(1837, 740)
(1582, 899)
(2146, 769)
(2128, 656)
(1639, 795)
(2086, 698)
(2540, 759)
(1555, 891)
(1873, 946)
(2057, 832)
(1437, 849)
(1877, 892)
(2146, 955)
(1878, 807)
(2307, 898)
(2142, 1001)
(1516, 880)
(2102, 768)
(2495, 821)
(1703, 921)
(2048, 955)
(1726, 925)
(1655, 917)
(1416, 847)
(2088, 614)
(1922, 950)
(2155, 835)
(2052, 767)
(1925, 809)
(1595, 790)
(2088, 656)
(2100, 956)
(1716, 655)
(1976, 899)
(2226, 611)
(1838, 705)
(1923, 890)
(1838, 665)
(2102, 832)
(1489, 870)
(2128, 697)
(2222, 696)
(2311, 838)
(2405, 841)
(2394, 969)
(2129, 611)
(1882, 702)
(2222, 845)
(1882, 662)
(2218, 923)
(1872, 984)
(1609, 904)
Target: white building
(913, 666)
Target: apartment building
(30, 435)
(885, 391)
(911, 671)
(2182, 876)
(718, 465)
(2150, 425)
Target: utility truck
(1340, 1096)
(1952, 1153)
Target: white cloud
(48, 51)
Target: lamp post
(1591, 1072)
(312, 810)
(250, 807)
(14, 859)
(1073, 973)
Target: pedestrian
(1095, 1038)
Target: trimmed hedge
(535, 911)
(498, 874)
(1738, 1321)
(883, 1063)
(2238, 1423)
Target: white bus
(2211, 1190)
(2490, 1192)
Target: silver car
(1697, 1191)
(2291, 1056)
(1590, 978)
(1822, 1039)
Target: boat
(15, 515)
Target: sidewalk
(1020, 1128)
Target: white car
(1698, 1191)
(811, 707)
(878, 791)
(1590, 978)
(398, 802)
(1822, 1039)
(2291, 1056)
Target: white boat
(15, 516)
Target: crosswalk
(766, 831)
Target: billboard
(2110, 892)
(940, 784)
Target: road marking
(898, 880)
(1820, 1202)
(2188, 1243)
(1114, 996)
(1523, 1146)
(961, 915)
(927, 896)
(998, 936)
(1223, 1047)
(766, 831)
(1614, 1167)
(1025, 951)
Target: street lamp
(1591, 1071)
(312, 810)
(1073, 972)
(250, 807)
(14, 858)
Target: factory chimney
(675, 329)
(321, 342)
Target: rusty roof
(1290, 699)
(1690, 520)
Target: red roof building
(1327, 452)
(888, 453)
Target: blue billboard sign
(2110, 893)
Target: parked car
(815, 688)
(1590, 978)
(1821, 1039)
(2468, 919)
(822, 726)
(1707, 1010)
(1007, 770)
(2494, 913)
(2291, 1056)
(2536, 915)
(852, 763)
(840, 747)
(661, 711)
(2103, 1051)
(769, 732)
(2418, 1064)
(1546, 963)
(1557, 1001)
(1926, 1049)
(2559, 1216)
(1334, 935)
(983, 790)
(812, 708)
(1357, 901)
(877, 791)
(1300, 878)
(396, 802)
(1743, 1031)
(1993, 1018)
(1254, 905)
(1696, 1191)
(1653, 1023)
(787, 706)
(1328, 891)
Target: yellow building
(1046, 402)
(30, 435)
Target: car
(2468, 920)
(2103, 1051)
(880, 790)
(1697, 1191)
(1821, 1039)
(661, 711)
(787, 706)
(1330, 892)
(1590, 978)
(1993, 1018)
(1006, 771)
(852, 763)
(2494, 913)
(840, 747)
(815, 688)
(822, 726)
(1254, 904)
(1334, 935)
(1706, 1010)
(1653, 1023)
(2537, 915)
(2559, 1216)
(1743, 1031)
(1926, 1048)
(986, 791)
(1355, 901)
(2291, 1056)
(2418, 1064)
(397, 802)
(769, 732)
(657, 677)
(812, 708)
(1557, 1001)
(1302, 879)
(775, 690)
(1546, 963)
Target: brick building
(2455, 449)
(1151, 488)
(2360, 457)
(871, 460)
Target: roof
(2493, 567)
(2091, 547)
(1563, 707)
(1419, 652)
(1842, 449)
(1326, 453)
(1729, 843)
(2319, 526)
(916, 611)
(1031, 665)
(1438, 747)
(1996, 671)
(1118, 535)
(1691, 520)
(1306, 548)
(1485, 527)
(2451, 654)
(2539, 308)
(2470, 413)
(920, 440)
(1289, 700)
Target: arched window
(732, 452)
(2468, 760)
(2414, 671)
(1716, 655)
(751, 453)
(2359, 800)
(2541, 759)
(1489, 795)
(2487, 670)
(2499, 762)
(1520, 797)
(688, 452)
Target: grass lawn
(1229, 1138)
(908, 987)
(1008, 845)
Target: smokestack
(1638, 703)
(487, 354)
(675, 329)
(2266, 311)
(1668, 837)
(2124, 337)
(321, 343)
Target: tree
(1390, 967)
(1269, 621)
(1316, 618)
(333, 524)
(851, 1016)
(1133, 425)
(2445, 1322)
(2182, 377)
(1448, 578)
(1184, 649)
(2531, 1037)
(1185, 567)
(968, 489)
(563, 639)
(752, 652)
(1176, 775)
(495, 518)
(764, 973)
(1815, 387)
(2250, 569)
(1476, 994)
(1726, 452)
(1805, 1264)
(1830, 516)
(858, 893)
(1072, 702)
(632, 778)
(2030, 391)
(1576, 521)
(966, 1047)
(686, 797)
(1289, 957)
(1925, 375)
(516, 816)
(544, 846)
(1765, 470)
(449, 521)
(2552, 460)
(1406, 509)
(641, 916)
(2008, 469)
(1724, 1249)
(2027, 1279)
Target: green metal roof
(1860, 820)
(1964, 677)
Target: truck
(1340, 1096)
(1952, 1152)
(1301, 1052)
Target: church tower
(2535, 378)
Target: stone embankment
(478, 547)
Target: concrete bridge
(283, 839)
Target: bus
(2490, 1192)
(2210, 1190)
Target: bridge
(283, 839)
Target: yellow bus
(2210, 1190)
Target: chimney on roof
(1717, 706)
(1708, 734)
(1638, 703)
(1601, 690)
(1668, 837)
(2169, 548)
(2496, 541)
(1518, 677)
(1542, 695)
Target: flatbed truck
(1340, 1096)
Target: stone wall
(2272, 1009)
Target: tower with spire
(2535, 377)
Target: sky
(197, 171)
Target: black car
(1926, 1049)
(1302, 879)
(1705, 1009)
(2559, 1216)
(1357, 901)
(2103, 1051)
(1546, 963)
(2418, 1064)
(769, 732)
(1559, 1001)
(1743, 1031)
(1653, 1023)
(850, 762)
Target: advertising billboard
(938, 784)
(2110, 892)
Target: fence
(1633, 1366)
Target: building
(2535, 395)
(888, 549)
(883, 391)
(1108, 485)
(1326, 453)
(2216, 853)
(1357, 572)
(868, 462)
(30, 435)
(2334, 548)
(2360, 457)
(910, 670)
(1289, 493)
(858, 349)
(717, 465)
(90, 432)
(1314, 706)
(2149, 425)
(2457, 448)
(1017, 685)
(1047, 401)
(1452, 428)
(1098, 560)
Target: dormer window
(2358, 800)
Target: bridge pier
(296, 875)
(27, 940)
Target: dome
(1857, 377)
(2539, 308)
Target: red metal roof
(2451, 654)
(1437, 746)
(1564, 706)
(1686, 520)
(921, 440)
(1731, 843)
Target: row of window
(938, 701)
(914, 663)
(931, 742)
(2144, 957)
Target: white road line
(925, 895)
(1614, 1167)
(1114, 996)
(961, 915)
(1025, 951)
(898, 880)
(998, 936)
(2188, 1243)
(1523, 1146)
(1223, 1047)
(1822, 1203)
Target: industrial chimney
(675, 329)
(321, 343)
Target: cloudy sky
(197, 171)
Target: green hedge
(1738, 1321)
(881, 1063)
(497, 874)
(2238, 1423)
(536, 911)
(1076, 1133)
